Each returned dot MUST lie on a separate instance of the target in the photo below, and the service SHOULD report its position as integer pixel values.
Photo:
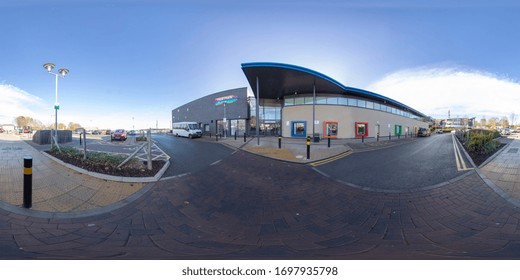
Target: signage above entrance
(226, 99)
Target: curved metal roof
(277, 80)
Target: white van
(186, 129)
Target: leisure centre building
(294, 101)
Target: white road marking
(461, 164)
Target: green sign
(57, 107)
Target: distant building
(458, 123)
(8, 128)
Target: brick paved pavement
(55, 187)
(253, 207)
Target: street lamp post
(62, 72)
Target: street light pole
(62, 72)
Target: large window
(346, 101)
(299, 128)
(330, 128)
(361, 129)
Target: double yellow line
(461, 165)
(331, 159)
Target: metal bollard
(328, 141)
(378, 137)
(398, 136)
(244, 137)
(216, 137)
(362, 138)
(80, 138)
(27, 182)
(308, 147)
(235, 135)
(279, 141)
(389, 136)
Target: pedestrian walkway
(504, 169)
(56, 188)
(295, 149)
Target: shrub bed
(105, 163)
(481, 144)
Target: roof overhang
(277, 80)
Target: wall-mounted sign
(226, 99)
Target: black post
(216, 137)
(389, 136)
(279, 141)
(362, 138)
(308, 147)
(328, 141)
(244, 137)
(27, 182)
(235, 135)
(80, 138)
(210, 135)
(378, 137)
(398, 136)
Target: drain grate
(513, 151)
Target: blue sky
(141, 59)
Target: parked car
(424, 132)
(118, 134)
(108, 132)
(132, 132)
(96, 132)
(439, 131)
(506, 131)
(1, 130)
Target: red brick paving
(250, 207)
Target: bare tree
(483, 122)
(504, 122)
(492, 123)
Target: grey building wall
(205, 112)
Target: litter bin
(316, 137)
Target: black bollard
(328, 141)
(279, 141)
(389, 136)
(80, 138)
(235, 135)
(398, 136)
(377, 137)
(27, 182)
(308, 147)
(362, 138)
(244, 137)
(216, 137)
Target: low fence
(43, 137)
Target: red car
(118, 134)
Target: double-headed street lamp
(62, 72)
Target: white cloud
(434, 91)
(17, 102)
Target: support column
(257, 112)
(313, 108)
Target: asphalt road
(422, 163)
(186, 155)
(189, 155)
